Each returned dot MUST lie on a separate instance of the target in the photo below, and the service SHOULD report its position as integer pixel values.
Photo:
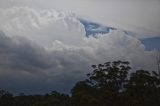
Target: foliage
(109, 84)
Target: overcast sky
(43, 44)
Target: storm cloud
(48, 50)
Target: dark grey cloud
(22, 64)
(27, 67)
(22, 54)
(48, 50)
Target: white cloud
(49, 48)
(139, 16)
(42, 27)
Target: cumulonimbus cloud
(49, 50)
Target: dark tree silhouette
(6, 98)
(111, 75)
(143, 89)
(109, 84)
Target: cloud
(140, 16)
(42, 27)
(48, 50)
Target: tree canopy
(109, 84)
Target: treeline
(109, 84)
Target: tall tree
(143, 89)
(157, 59)
(103, 85)
(111, 75)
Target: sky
(44, 44)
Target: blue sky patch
(151, 43)
(93, 28)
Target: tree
(84, 95)
(6, 98)
(111, 75)
(110, 84)
(143, 89)
(103, 85)
(54, 99)
(157, 58)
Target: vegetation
(110, 84)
